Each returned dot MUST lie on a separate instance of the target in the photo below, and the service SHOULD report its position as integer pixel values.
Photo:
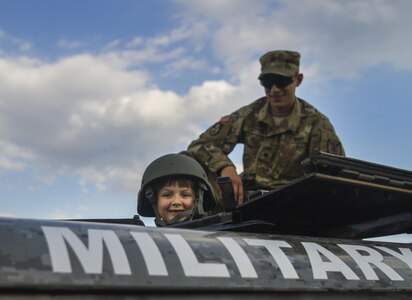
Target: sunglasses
(280, 81)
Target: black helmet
(174, 165)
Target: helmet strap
(184, 216)
(200, 194)
(150, 195)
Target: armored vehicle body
(304, 240)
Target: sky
(92, 91)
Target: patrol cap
(281, 62)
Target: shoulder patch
(215, 129)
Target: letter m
(91, 256)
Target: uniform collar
(291, 122)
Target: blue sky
(91, 91)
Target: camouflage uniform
(272, 153)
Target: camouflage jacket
(272, 154)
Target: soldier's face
(281, 99)
(174, 199)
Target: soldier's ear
(299, 79)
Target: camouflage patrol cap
(281, 62)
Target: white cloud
(135, 42)
(103, 117)
(70, 45)
(221, 11)
(342, 38)
(8, 164)
(179, 66)
(8, 40)
(211, 96)
(93, 118)
(112, 44)
(13, 157)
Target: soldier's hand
(236, 182)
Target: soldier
(278, 131)
(174, 189)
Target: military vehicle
(303, 240)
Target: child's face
(172, 199)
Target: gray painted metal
(50, 256)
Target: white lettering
(405, 255)
(365, 261)
(151, 254)
(190, 264)
(285, 266)
(241, 259)
(320, 267)
(90, 258)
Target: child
(174, 189)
